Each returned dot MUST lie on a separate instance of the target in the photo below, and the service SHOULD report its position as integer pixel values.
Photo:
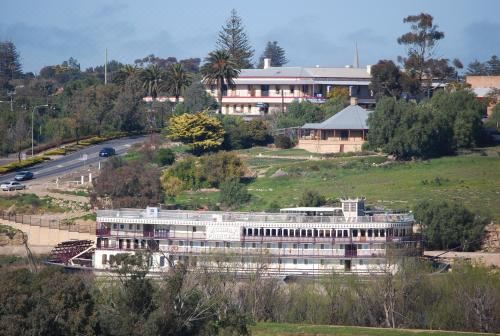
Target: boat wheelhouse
(296, 241)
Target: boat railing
(224, 217)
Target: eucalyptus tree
(221, 70)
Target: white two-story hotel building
(271, 89)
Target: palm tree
(125, 73)
(177, 80)
(152, 80)
(219, 68)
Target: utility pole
(32, 127)
(282, 102)
(106, 68)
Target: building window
(292, 89)
(114, 226)
(194, 228)
(122, 226)
(162, 261)
(280, 245)
(294, 246)
(264, 90)
(277, 89)
(361, 261)
(306, 246)
(268, 245)
(138, 226)
(217, 244)
(322, 246)
(306, 262)
(202, 244)
(279, 261)
(322, 261)
(131, 226)
(191, 243)
(295, 261)
(254, 245)
(181, 243)
(104, 259)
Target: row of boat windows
(105, 259)
(136, 244)
(281, 261)
(261, 232)
(333, 233)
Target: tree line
(64, 102)
(212, 301)
(415, 117)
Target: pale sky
(311, 32)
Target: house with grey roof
(346, 131)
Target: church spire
(356, 57)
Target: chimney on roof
(267, 63)
(354, 101)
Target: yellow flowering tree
(202, 132)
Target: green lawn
(472, 179)
(284, 329)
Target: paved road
(75, 160)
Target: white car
(12, 185)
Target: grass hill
(472, 179)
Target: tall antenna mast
(106, 68)
(356, 57)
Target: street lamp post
(33, 126)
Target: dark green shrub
(283, 141)
(164, 157)
(311, 198)
(448, 225)
(233, 193)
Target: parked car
(12, 185)
(24, 175)
(107, 151)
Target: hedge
(57, 151)
(23, 164)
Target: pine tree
(275, 53)
(10, 67)
(493, 66)
(234, 40)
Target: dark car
(107, 151)
(24, 175)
